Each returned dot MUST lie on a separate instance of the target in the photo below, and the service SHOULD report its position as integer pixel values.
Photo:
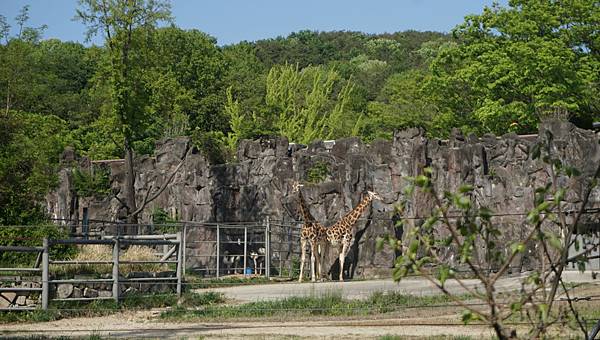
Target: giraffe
(341, 234)
(313, 233)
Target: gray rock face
(259, 183)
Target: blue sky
(231, 21)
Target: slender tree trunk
(130, 188)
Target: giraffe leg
(343, 252)
(320, 259)
(302, 258)
(313, 249)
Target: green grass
(200, 283)
(327, 305)
(70, 309)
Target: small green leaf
(559, 196)
(422, 181)
(554, 241)
(517, 247)
(467, 316)
(465, 188)
(533, 217)
(443, 274)
(543, 308)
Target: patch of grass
(201, 283)
(326, 305)
(70, 309)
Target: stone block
(104, 293)
(90, 293)
(64, 290)
(77, 293)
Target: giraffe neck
(306, 215)
(351, 217)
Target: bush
(317, 173)
(87, 185)
(31, 236)
(212, 145)
(163, 222)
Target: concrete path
(363, 289)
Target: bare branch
(164, 185)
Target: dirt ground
(146, 325)
(414, 322)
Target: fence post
(218, 246)
(179, 263)
(115, 271)
(45, 275)
(246, 250)
(268, 248)
(184, 240)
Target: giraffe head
(373, 195)
(296, 186)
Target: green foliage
(510, 62)
(309, 104)
(88, 185)
(318, 172)
(212, 145)
(31, 236)
(164, 222)
(28, 163)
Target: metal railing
(44, 260)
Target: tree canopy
(498, 71)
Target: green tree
(512, 62)
(309, 104)
(18, 73)
(29, 151)
(126, 26)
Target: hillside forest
(499, 71)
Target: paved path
(349, 290)
(363, 289)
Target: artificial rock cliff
(259, 184)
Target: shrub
(87, 185)
(31, 236)
(318, 172)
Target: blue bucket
(248, 271)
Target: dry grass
(100, 252)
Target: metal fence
(267, 248)
(44, 261)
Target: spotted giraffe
(314, 234)
(341, 234)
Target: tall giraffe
(313, 233)
(341, 234)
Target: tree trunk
(132, 217)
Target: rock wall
(259, 183)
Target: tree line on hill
(499, 71)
